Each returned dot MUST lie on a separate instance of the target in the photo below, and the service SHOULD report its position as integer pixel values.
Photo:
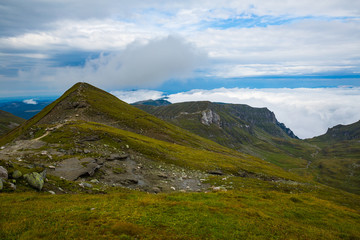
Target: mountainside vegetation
(332, 158)
(8, 122)
(90, 166)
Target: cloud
(30, 101)
(138, 95)
(306, 111)
(140, 64)
(21, 16)
(146, 65)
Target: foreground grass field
(269, 211)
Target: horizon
(302, 63)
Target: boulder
(35, 180)
(117, 156)
(16, 174)
(85, 185)
(73, 168)
(1, 184)
(3, 173)
(13, 186)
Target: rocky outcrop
(210, 117)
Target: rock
(173, 188)
(91, 138)
(129, 181)
(86, 151)
(52, 192)
(156, 189)
(117, 156)
(13, 186)
(217, 189)
(85, 185)
(94, 181)
(35, 180)
(51, 167)
(1, 184)
(100, 161)
(161, 175)
(3, 173)
(209, 117)
(16, 174)
(216, 172)
(79, 104)
(43, 174)
(73, 168)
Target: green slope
(333, 158)
(337, 163)
(8, 122)
(251, 130)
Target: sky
(300, 59)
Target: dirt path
(48, 131)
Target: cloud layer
(308, 112)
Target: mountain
(137, 149)
(332, 158)
(337, 162)
(135, 176)
(341, 133)
(255, 131)
(8, 121)
(158, 102)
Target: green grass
(254, 212)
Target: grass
(205, 158)
(257, 211)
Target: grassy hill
(8, 121)
(337, 163)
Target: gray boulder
(73, 168)
(13, 186)
(3, 173)
(35, 180)
(16, 174)
(117, 156)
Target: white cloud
(308, 112)
(140, 64)
(30, 101)
(305, 47)
(138, 95)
